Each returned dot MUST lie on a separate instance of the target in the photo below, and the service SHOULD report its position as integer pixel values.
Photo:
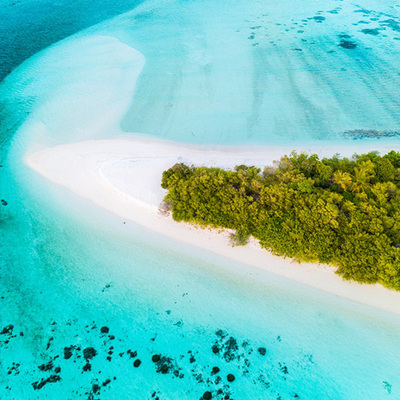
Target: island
(342, 212)
(124, 176)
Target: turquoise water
(28, 26)
(265, 72)
(69, 269)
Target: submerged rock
(132, 354)
(228, 348)
(50, 379)
(284, 369)
(373, 32)
(89, 353)
(165, 365)
(262, 351)
(106, 382)
(7, 329)
(347, 44)
(46, 367)
(68, 352)
(215, 370)
(370, 133)
(87, 367)
(95, 388)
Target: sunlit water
(69, 269)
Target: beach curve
(123, 176)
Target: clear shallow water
(68, 269)
(265, 72)
(159, 297)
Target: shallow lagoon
(264, 72)
(68, 269)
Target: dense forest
(343, 212)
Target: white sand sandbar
(123, 176)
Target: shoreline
(123, 176)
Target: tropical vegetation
(341, 211)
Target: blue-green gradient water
(84, 294)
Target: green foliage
(240, 237)
(345, 212)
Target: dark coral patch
(89, 353)
(373, 32)
(87, 367)
(68, 352)
(46, 367)
(262, 351)
(347, 44)
(7, 330)
(215, 370)
(50, 379)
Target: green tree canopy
(344, 212)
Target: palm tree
(362, 176)
(343, 179)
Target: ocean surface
(95, 307)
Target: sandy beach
(123, 176)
